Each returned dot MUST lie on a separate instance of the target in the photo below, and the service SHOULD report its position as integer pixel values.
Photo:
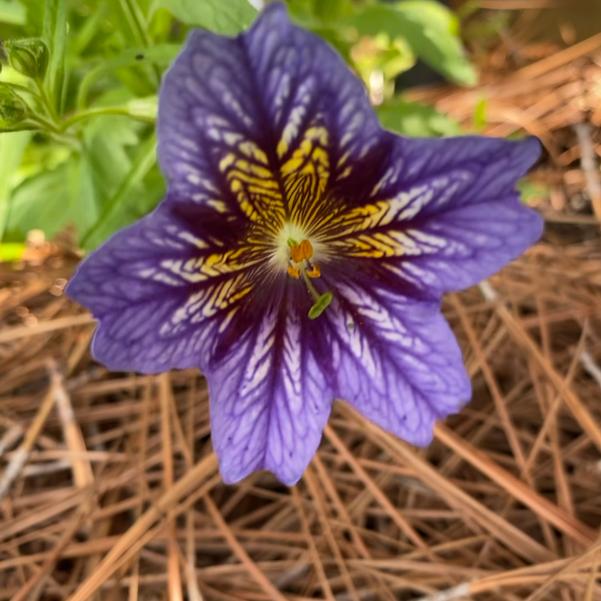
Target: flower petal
(164, 293)
(211, 144)
(269, 401)
(444, 215)
(396, 360)
(259, 125)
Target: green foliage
(55, 33)
(12, 149)
(12, 12)
(416, 120)
(226, 17)
(79, 84)
(92, 164)
(13, 109)
(312, 12)
(430, 30)
(96, 192)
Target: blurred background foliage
(79, 81)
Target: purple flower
(301, 252)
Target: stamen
(294, 272)
(314, 271)
(301, 252)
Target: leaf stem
(48, 105)
(99, 112)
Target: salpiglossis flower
(301, 252)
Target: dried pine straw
(109, 489)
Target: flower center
(299, 262)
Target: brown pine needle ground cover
(109, 489)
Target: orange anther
(293, 272)
(314, 272)
(302, 251)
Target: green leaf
(429, 28)
(227, 17)
(51, 200)
(12, 148)
(322, 17)
(107, 140)
(122, 193)
(330, 10)
(161, 54)
(120, 209)
(313, 13)
(302, 12)
(415, 120)
(55, 33)
(12, 12)
(97, 191)
(34, 13)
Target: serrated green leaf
(52, 200)
(415, 120)
(428, 27)
(225, 17)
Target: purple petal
(161, 301)
(396, 361)
(444, 214)
(261, 124)
(269, 401)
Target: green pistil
(292, 242)
(320, 305)
(322, 301)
